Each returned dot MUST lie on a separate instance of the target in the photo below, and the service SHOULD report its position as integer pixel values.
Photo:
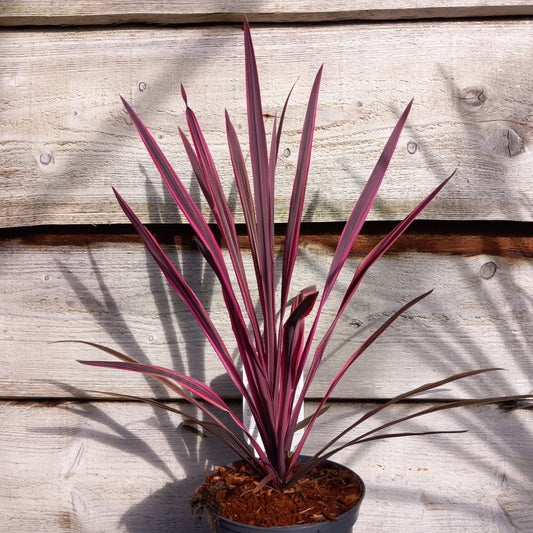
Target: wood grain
(123, 467)
(73, 461)
(111, 293)
(66, 140)
(30, 12)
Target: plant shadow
(162, 511)
(166, 509)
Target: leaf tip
(184, 95)
(125, 103)
(117, 194)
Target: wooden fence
(71, 269)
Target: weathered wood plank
(478, 316)
(123, 467)
(30, 12)
(66, 141)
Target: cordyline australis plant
(273, 346)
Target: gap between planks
(309, 11)
(504, 239)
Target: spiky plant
(274, 349)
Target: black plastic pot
(343, 524)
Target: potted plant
(279, 357)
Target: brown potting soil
(232, 492)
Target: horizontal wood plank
(65, 139)
(112, 294)
(124, 467)
(31, 12)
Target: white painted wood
(114, 295)
(65, 139)
(123, 467)
(171, 12)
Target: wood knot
(488, 270)
(472, 98)
(514, 142)
(503, 140)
